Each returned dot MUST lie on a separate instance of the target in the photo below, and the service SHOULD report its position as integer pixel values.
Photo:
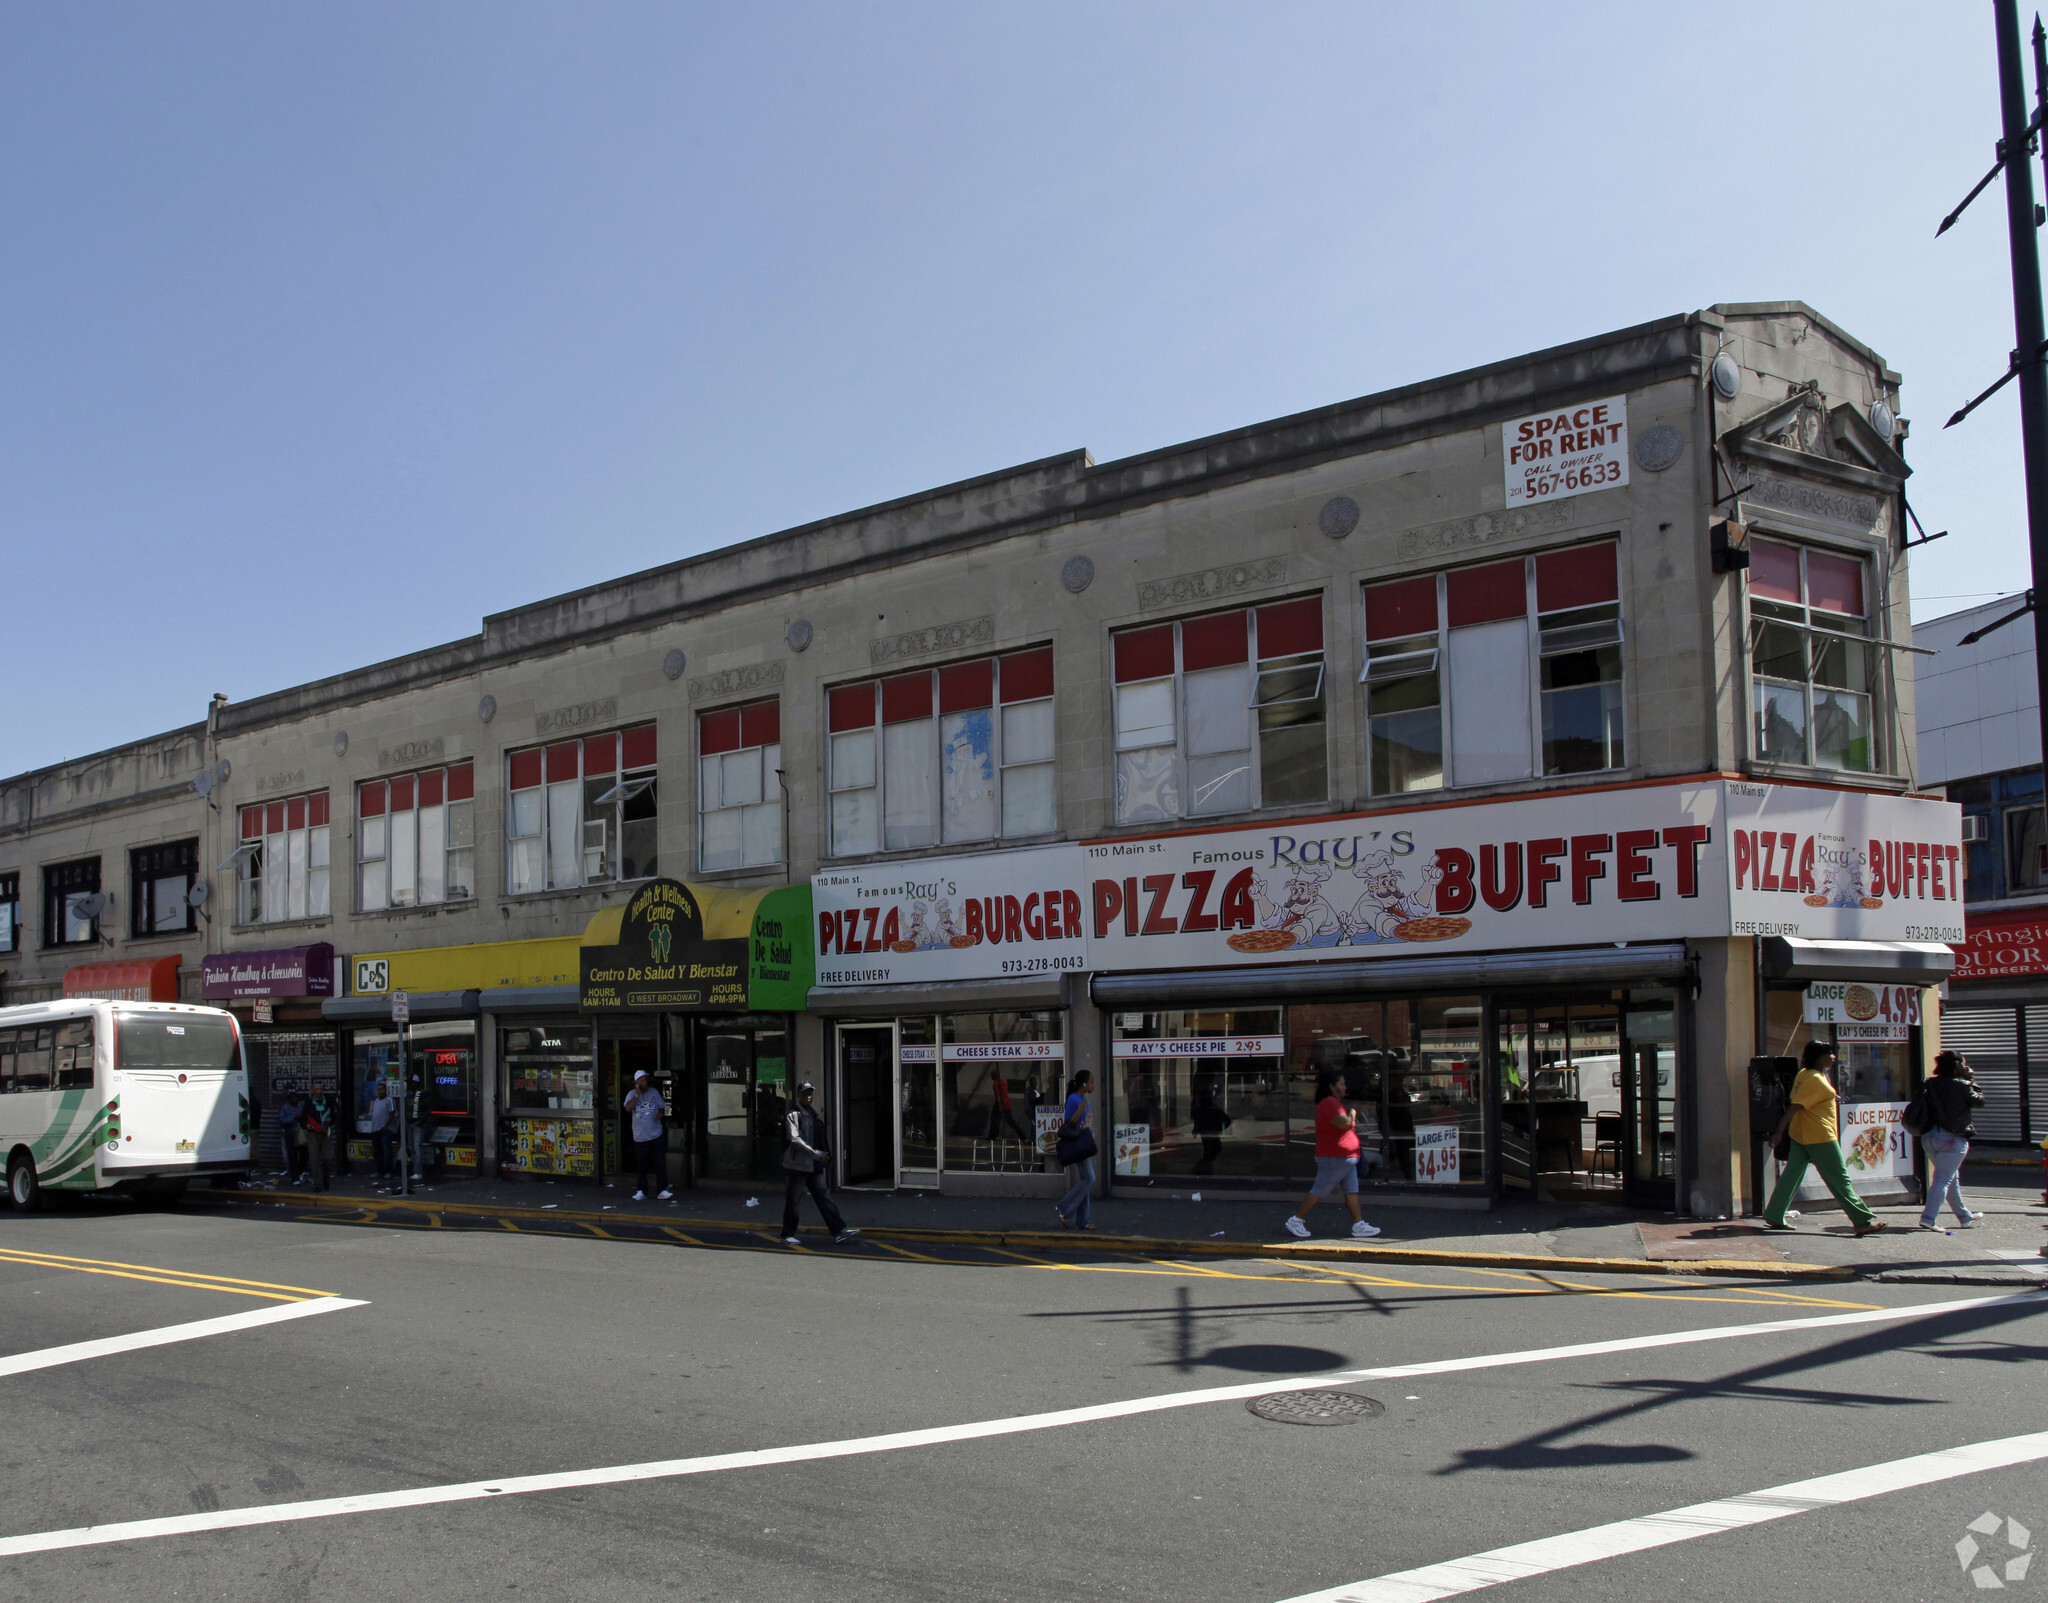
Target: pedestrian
(1002, 1112)
(1210, 1123)
(383, 1118)
(804, 1152)
(316, 1130)
(1336, 1157)
(1950, 1095)
(1076, 1150)
(650, 1136)
(1810, 1132)
(288, 1110)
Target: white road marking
(1574, 1548)
(163, 1336)
(933, 1436)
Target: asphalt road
(475, 1355)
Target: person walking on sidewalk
(1811, 1125)
(383, 1116)
(650, 1136)
(1336, 1157)
(1950, 1096)
(316, 1129)
(1076, 1150)
(804, 1151)
(288, 1109)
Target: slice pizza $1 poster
(1643, 863)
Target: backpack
(1920, 1117)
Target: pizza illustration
(1873, 902)
(1260, 941)
(963, 940)
(1860, 1001)
(1816, 901)
(1436, 928)
(903, 946)
(1871, 1147)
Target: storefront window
(918, 1054)
(550, 1096)
(1373, 1045)
(996, 1071)
(444, 1071)
(1200, 1094)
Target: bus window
(74, 1055)
(6, 1061)
(175, 1041)
(32, 1052)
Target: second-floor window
(416, 838)
(739, 786)
(943, 755)
(1498, 672)
(581, 812)
(10, 912)
(1813, 672)
(160, 880)
(282, 861)
(66, 919)
(1221, 713)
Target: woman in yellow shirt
(1814, 1132)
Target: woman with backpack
(1946, 1101)
(1076, 1150)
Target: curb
(1148, 1246)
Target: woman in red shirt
(1336, 1156)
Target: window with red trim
(416, 838)
(1221, 712)
(1814, 680)
(739, 786)
(281, 865)
(953, 754)
(581, 812)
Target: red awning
(154, 980)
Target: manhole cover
(1315, 1407)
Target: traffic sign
(401, 1008)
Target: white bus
(136, 1097)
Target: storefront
(951, 996)
(698, 986)
(1996, 1012)
(145, 980)
(289, 1046)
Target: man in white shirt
(650, 1135)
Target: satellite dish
(202, 782)
(92, 905)
(1882, 419)
(1727, 376)
(198, 894)
(222, 769)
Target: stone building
(1481, 727)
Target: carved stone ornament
(673, 664)
(580, 716)
(799, 635)
(1078, 574)
(1657, 448)
(941, 637)
(1483, 528)
(1338, 517)
(1209, 583)
(430, 750)
(487, 709)
(341, 743)
(737, 681)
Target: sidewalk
(2004, 1250)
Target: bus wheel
(24, 1190)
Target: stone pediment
(1802, 433)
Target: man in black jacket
(1949, 1096)
(804, 1150)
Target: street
(453, 1357)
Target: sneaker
(1924, 1225)
(847, 1234)
(789, 1241)
(1362, 1230)
(1971, 1223)
(1297, 1226)
(639, 1196)
(665, 1196)
(1872, 1228)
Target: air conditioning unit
(1976, 829)
(594, 865)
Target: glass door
(868, 1104)
(1649, 1155)
(728, 1099)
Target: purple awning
(294, 971)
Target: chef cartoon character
(916, 932)
(1306, 913)
(1386, 902)
(942, 917)
(1264, 914)
(1842, 885)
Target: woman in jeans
(1074, 1207)
(1951, 1094)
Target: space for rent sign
(1566, 452)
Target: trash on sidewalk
(753, 1202)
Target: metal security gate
(1991, 1038)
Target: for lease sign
(1566, 452)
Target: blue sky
(326, 330)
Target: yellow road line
(1557, 1287)
(62, 1260)
(921, 1257)
(160, 1280)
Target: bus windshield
(175, 1041)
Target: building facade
(1530, 746)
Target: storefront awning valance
(292, 971)
(677, 947)
(1789, 958)
(480, 966)
(375, 1011)
(151, 980)
(1663, 963)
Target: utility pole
(2029, 357)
